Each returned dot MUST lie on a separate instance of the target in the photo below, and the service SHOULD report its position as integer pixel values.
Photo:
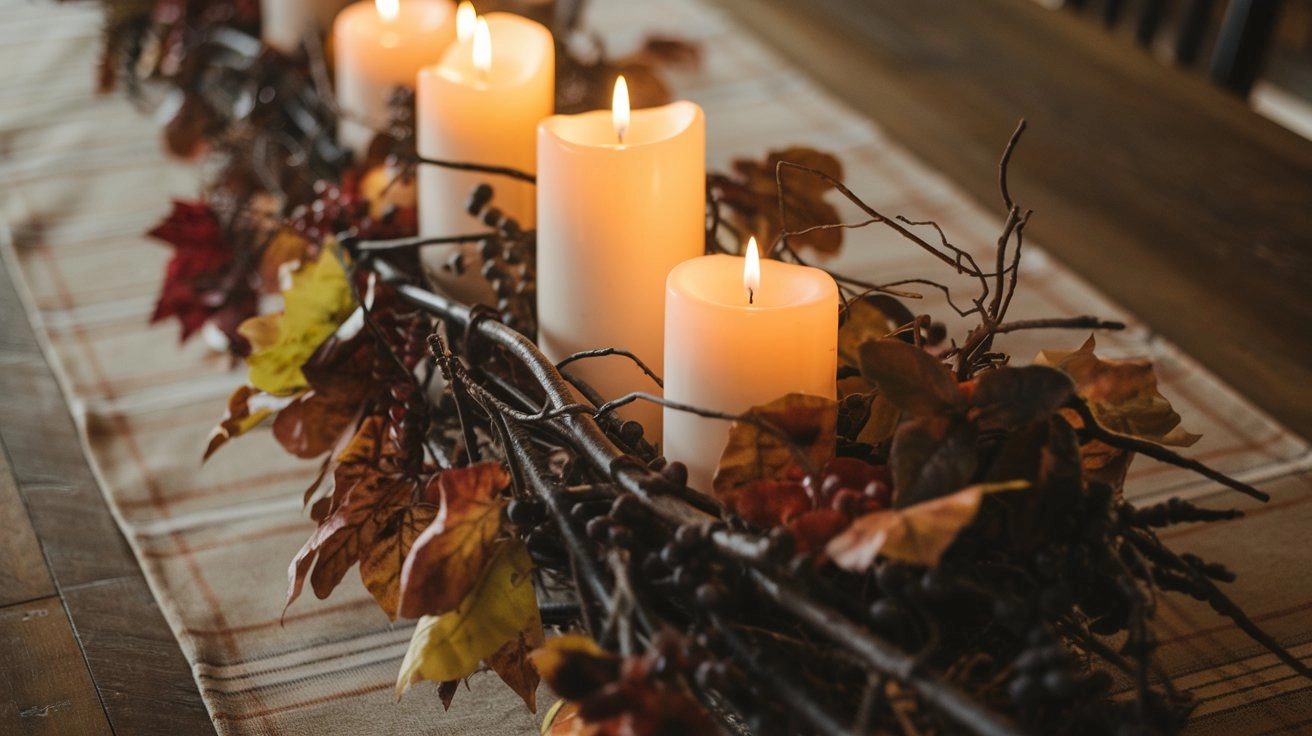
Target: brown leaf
(372, 518)
(1008, 398)
(809, 422)
(813, 530)
(340, 378)
(753, 198)
(286, 247)
(448, 559)
(867, 319)
(512, 664)
(574, 666)
(247, 407)
(930, 457)
(918, 534)
(912, 379)
(767, 502)
(446, 692)
(882, 422)
(1123, 396)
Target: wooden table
(1168, 194)
(1173, 198)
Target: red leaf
(198, 285)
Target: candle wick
(619, 133)
(751, 296)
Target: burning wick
(619, 108)
(752, 271)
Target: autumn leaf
(910, 378)
(373, 518)
(753, 454)
(753, 198)
(285, 249)
(1008, 398)
(870, 318)
(574, 666)
(1123, 396)
(199, 283)
(932, 456)
(917, 534)
(496, 611)
(512, 664)
(340, 379)
(318, 300)
(247, 407)
(882, 423)
(448, 559)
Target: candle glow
(466, 17)
(752, 271)
(388, 9)
(482, 49)
(619, 108)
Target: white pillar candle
(728, 351)
(485, 112)
(613, 219)
(284, 24)
(380, 46)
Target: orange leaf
(917, 534)
(448, 559)
(753, 454)
(512, 664)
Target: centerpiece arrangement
(554, 386)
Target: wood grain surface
(114, 639)
(1168, 194)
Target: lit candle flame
(482, 48)
(388, 9)
(619, 108)
(752, 271)
(465, 20)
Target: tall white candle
(381, 45)
(728, 350)
(484, 113)
(284, 24)
(613, 219)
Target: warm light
(619, 108)
(752, 271)
(482, 48)
(388, 9)
(465, 20)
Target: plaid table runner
(83, 178)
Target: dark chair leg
(1192, 27)
(1242, 46)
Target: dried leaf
(286, 248)
(882, 422)
(913, 380)
(500, 606)
(511, 662)
(372, 518)
(809, 422)
(918, 534)
(767, 502)
(930, 457)
(574, 666)
(1008, 398)
(812, 530)
(340, 376)
(449, 558)
(868, 319)
(753, 198)
(247, 407)
(1123, 396)
(318, 300)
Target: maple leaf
(499, 608)
(317, 301)
(753, 198)
(199, 285)
(247, 407)
(372, 518)
(512, 664)
(918, 534)
(340, 379)
(448, 559)
(285, 249)
(1123, 396)
(753, 454)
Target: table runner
(83, 178)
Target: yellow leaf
(247, 407)
(317, 301)
(500, 606)
(918, 534)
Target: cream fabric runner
(82, 177)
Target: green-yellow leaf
(317, 301)
(500, 606)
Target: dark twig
(466, 166)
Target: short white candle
(483, 113)
(284, 24)
(727, 350)
(381, 45)
(613, 219)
